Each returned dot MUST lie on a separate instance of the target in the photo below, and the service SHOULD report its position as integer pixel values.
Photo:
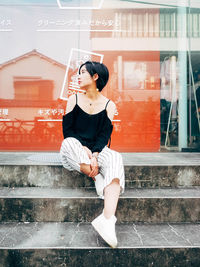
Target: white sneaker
(99, 184)
(106, 229)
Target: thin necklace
(90, 103)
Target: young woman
(87, 127)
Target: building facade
(151, 49)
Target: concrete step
(135, 176)
(83, 205)
(142, 170)
(77, 244)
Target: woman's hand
(88, 151)
(94, 168)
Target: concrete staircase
(45, 213)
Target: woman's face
(84, 78)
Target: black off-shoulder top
(92, 130)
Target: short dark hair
(94, 67)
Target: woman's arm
(102, 139)
(68, 118)
(71, 103)
(104, 135)
(111, 110)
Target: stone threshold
(130, 159)
(68, 235)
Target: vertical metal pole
(190, 76)
(182, 59)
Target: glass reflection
(137, 40)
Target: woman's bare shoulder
(111, 109)
(109, 101)
(111, 104)
(71, 103)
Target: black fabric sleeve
(67, 127)
(103, 136)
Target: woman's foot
(106, 229)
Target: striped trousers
(109, 161)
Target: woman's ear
(95, 77)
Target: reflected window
(134, 75)
(33, 89)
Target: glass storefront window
(151, 50)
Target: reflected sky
(27, 2)
(26, 18)
(25, 23)
(44, 2)
(192, 3)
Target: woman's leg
(112, 172)
(111, 196)
(112, 169)
(104, 224)
(73, 155)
